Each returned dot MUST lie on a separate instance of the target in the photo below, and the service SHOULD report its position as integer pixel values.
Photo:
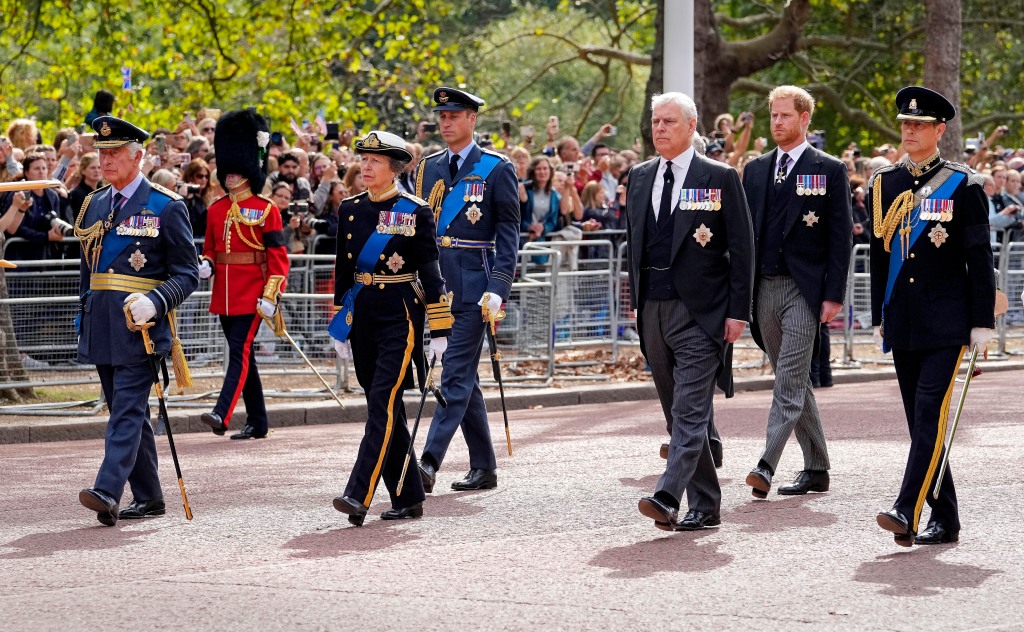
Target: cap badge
(105, 129)
(442, 97)
(913, 104)
(371, 142)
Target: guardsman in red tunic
(245, 254)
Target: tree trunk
(656, 80)
(943, 25)
(711, 92)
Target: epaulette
(352, 197)
(165, 191)
(495, 153)
(418, 200)
(436, 154)
(878, 172)
(265, 198)
(973, 177)
(218, 199)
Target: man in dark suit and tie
(690, 273)
(475, 197)
(800, 201)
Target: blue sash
(114, 244)
(341, 324)
(454, 202)
(895, 252)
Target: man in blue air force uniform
(475, 199)
(136, 244)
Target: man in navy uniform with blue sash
(475, 198)
(136, 248)
(932, 299)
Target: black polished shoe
(898, 524)
(416, 511)
(356, 510)
(477, 479)
(694, 520)
(806, 481)
(760, 481)
(428, 474)
(249, 433)
(102, 503)
(144, 509)
(716, 452)
(936, 533)
(663, 452)
(215, 423)
(664, 517)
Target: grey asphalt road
(558, 545)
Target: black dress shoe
(936, 533)
(249, 433)
(760, 480)
(428, 474)
(664, 517)
(663, 452)
(898, 524)
(143, 509)
(416, 511)
(356, 510)
(694, 520)
(716, 452)
(477, 479)
(215, 423)
(806, 481)
(102, 503)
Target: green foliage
(364, 66)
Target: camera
(430, 127)
(298, 207)
(66, 229)
(332, 132)
(192, 189)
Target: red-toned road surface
(559, 545)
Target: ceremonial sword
(948, 443)
(428, 387)
(276, 324)
(154, 365)
(29, 185)
(491, 320)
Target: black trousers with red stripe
(383, 343)
(926, 381)
(242, 377)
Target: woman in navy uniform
(136, 250)
(932, 298)
(386, 279)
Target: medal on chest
(140, 226)
(474, 191)
(394, 223)
(137, 260)
(936, 210)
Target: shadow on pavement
(454, 505)
(767, 516)
(374, 535)
(679, 552)
(86, 539)
(917, 572)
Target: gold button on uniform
(382, 257)
(351, 218)
(912, 255)
(350, 255)
(381, 286)
(911, 279)
(348, 236)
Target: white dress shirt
(680, 167)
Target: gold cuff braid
(439, 314)
(272, 290)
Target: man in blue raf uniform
(136, 244)
(932, 295)
(475, 199)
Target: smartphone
(276, 138)
(213, 113)
(430, 127)
(614, 131)
(161, 144)
(183, 159)
(506, 128)
(527, 131)
(332, 131)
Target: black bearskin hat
(241, 141)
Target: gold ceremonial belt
(369, 279)
(122, 283)
(455, 242)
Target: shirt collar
(464, 154)
(132, 187)
(682, 161)
(794, 154)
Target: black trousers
(926, 381)
(382, 348)
(242, 378)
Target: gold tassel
(436, 198)
(182, 376)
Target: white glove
(437, 347)
(343, 349)
(493, 302)
(142, 309)
(205, 270)
(876, 336)
(265, 306)
(980, 337)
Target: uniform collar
(132, 186)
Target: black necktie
(665, 210)
(453, 166)
(780, 175)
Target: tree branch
(758, 19)
(536, 76)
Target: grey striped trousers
(788, 327)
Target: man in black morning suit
(932, 298)
(690, 272)
(137, 250)
(800, 201)
(475, 197)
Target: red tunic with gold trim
(245, 246)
